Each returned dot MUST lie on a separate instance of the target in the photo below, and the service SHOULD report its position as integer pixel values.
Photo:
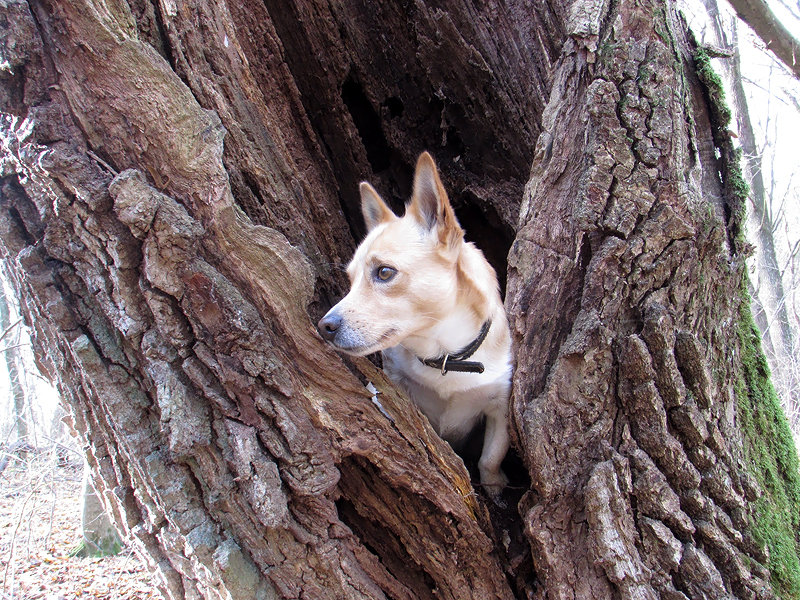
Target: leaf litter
(40, 530)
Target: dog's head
(403, 276)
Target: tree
(759, 16)
(180, 192)
(765, 213)
(8, 348)
(99, 536)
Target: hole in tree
(485, 229)
(368, 123)
(395, 106)
(385, 545)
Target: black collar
(457, 361)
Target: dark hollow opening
(483, 227)
(368, 123)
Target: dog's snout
(329, 325)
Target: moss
(644, 74)
(772, 459)
(721, 112)
(660, 26)
(607, 52)
(735, 187)
(738, 190)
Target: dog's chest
(452, 402)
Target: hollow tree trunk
(172, 281)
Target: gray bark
(99, 537)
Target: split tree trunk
(179, 195)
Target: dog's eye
(385, 273)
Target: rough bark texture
(179, 194)
(630, 228)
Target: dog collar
(458, 361)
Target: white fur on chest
(455, 401)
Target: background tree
(9, 349)
(759, 16)
(766, 213)
(179, 194)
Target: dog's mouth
(364, 349)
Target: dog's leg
(495, 446)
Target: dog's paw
(493, 483)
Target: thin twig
(108, 167)
(7, 348)
(9, 329)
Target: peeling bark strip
(178, 192)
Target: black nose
(329, 325)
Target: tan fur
(441, 292)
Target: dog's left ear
(430, 205)
(373, 207)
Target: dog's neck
(447, 336)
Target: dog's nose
(329, 325)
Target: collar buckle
(444, 364)
(458, 361)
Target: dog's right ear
(373, 207)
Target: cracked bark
(172, 280)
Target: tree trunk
(10, 352)
(99, 537)
(172, 282)
(770, 309)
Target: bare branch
(10, 328)
(768, 27)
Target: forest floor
(40, 530)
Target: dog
(430, 302)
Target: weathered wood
(179, 194)
(224, 434)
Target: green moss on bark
(735, 186)
(769, 448)
(772, 459)
(721, 112)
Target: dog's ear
(430, 205)
(373, 207)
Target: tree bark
(172, 280)
(99, 537)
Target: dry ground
(40, 528)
